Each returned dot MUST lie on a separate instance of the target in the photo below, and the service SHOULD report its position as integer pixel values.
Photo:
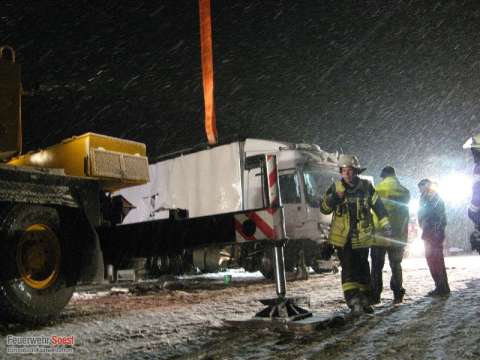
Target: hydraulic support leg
(282, 307)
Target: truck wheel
(323, 266)
(158, 265)
(266, 265)
(33, 280)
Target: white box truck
(206, 209)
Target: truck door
(291, 189)
(315, 182)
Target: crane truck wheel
(267, 264)
(34, 263)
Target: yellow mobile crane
(51, 202)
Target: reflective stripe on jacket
(395, 198)
(358, 203)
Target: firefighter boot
(355, 305)
(398, 296)
(365, 302)
(439, 293)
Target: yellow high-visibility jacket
(395, 197)
(352, 215)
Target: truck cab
(301, 191)
(305, 172)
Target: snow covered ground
(184, 319)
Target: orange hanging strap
(207, 70)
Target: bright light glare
(416, 247)
(413, 206)
(40, 158)
(455, 188)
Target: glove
(387, 231)
(334, 200)
(475, 240)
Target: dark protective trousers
(355, 272)
(436, 264)
(395, 256)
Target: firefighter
(395, 197)
(351, 201)
(474, 209)
(432, 220)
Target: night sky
(392, 81)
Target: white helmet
(472, 143)
(346, 160)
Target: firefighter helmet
(346, 160)
(472, 143)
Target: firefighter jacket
(395, 198)
(432, 217)
(474, 208)
(352, 214)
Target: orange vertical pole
(207, 69)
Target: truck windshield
(317, 180)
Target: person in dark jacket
(474, 209)
(432, 220)
(395, 197)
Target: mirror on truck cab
(317, 178)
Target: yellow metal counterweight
(118, 163)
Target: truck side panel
(203, 183)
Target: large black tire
(322, 270)
(323, 253)
(169, 265)
(267, 264)
(34, 260)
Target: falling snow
(394, 82)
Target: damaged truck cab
(305, 171)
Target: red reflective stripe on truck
(262, 225)
(272, 211)
(239, 229)
(272, 178)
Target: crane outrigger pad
(283, 308)
(285, 314)
(305, 325)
